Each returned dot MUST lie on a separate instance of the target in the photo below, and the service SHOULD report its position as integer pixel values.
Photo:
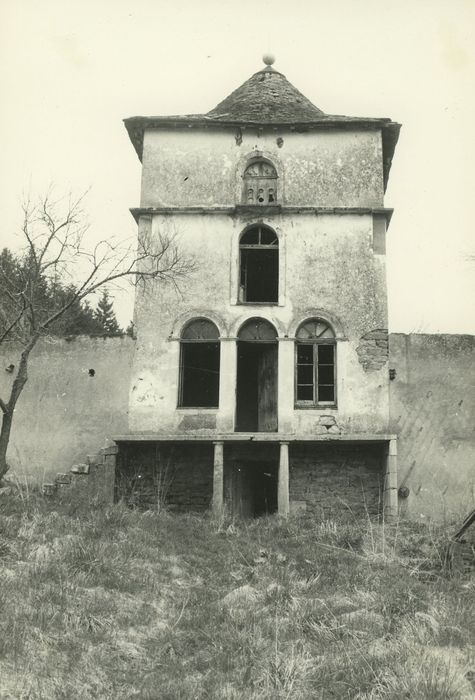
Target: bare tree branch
(56, 249)
(11, 326)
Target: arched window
(260, 183)
(257, 329)
(315, 353)
(259, 266)
(199, 365)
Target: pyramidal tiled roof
(266, 97)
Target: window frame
(181, 366)
(243, 269)
(315, 343)
(258, 323)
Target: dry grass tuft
(118, 604)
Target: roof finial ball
(268, 59)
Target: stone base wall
(178, 476)
(331, 481)
(326, 481)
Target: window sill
(269, 207)
(257, 303)
(208, 409)
(316, 407)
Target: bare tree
(55, 251)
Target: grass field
(115, 603)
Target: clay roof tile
(267, 97)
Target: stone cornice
(253, 437)
(260, 211)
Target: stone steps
(93, 479)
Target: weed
(119, 603)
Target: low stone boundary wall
(76, 397)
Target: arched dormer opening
(260, 183)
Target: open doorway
(252, 488)
(256, 384)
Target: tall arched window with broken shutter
(260, 183)
(315, 364)
(199, 365)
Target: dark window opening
(259, 266)
(315, 364)
(199, 365)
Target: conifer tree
(131, 330)
(105, 315)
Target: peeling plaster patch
(373, 350)
(148, 399)
(327, 424)
(327, 421)
(145, 392)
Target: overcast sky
(71, 70)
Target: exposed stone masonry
(180, 476)
(373, 350)
(334, 481)
(326, 424)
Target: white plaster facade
(327, 267)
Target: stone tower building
(262, 383)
